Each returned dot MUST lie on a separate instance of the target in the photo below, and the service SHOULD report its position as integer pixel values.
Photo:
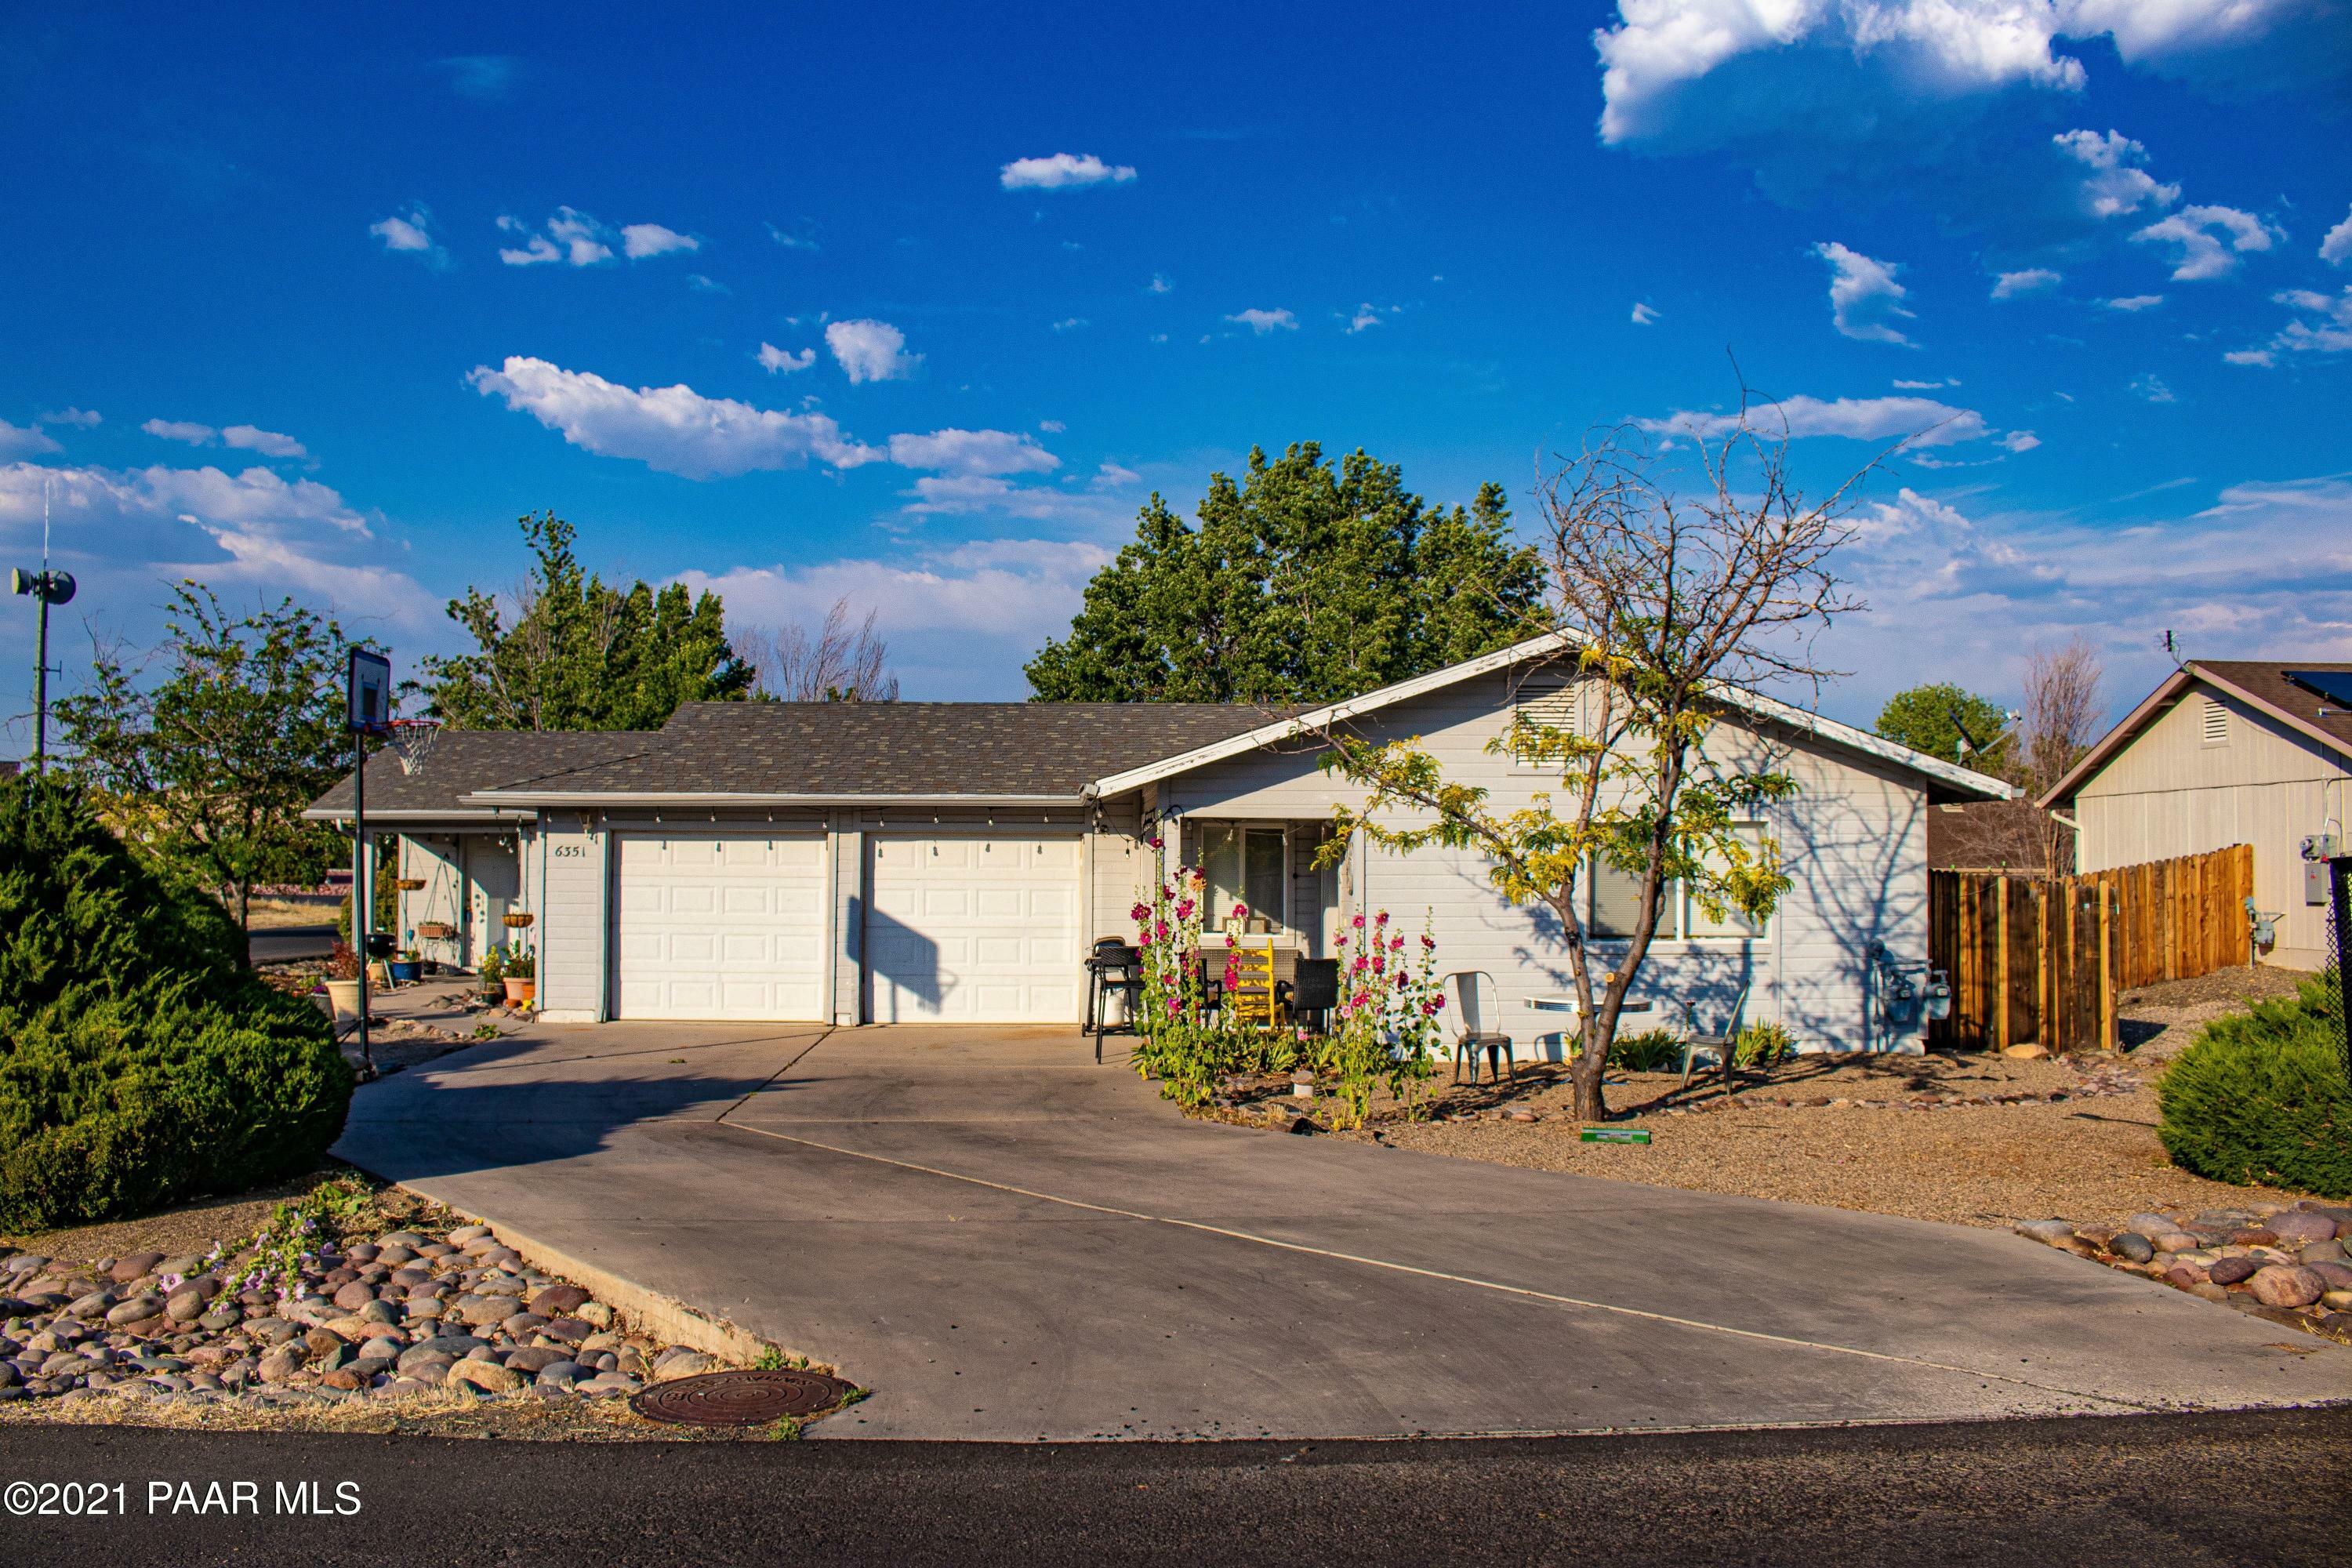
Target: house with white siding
(857, 863)
(2226, 752)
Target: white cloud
(1161, 285)
(1069, 323)
(1264, 321)
(790, 240)
(1923, 385)
(2116, 183)
(411, 234)
(672, 429)
(1925, 421)
(187, 430)
(1643, 314)
(1864, 296)
(703, 283)
(2201, 254)
(973, 452)
(2327, 329)
(1062, 171)
(1940, 47)
(16, 441)
(84, 418)
(269, 443)
(870, 350)
(1052, 426)
(2152, 388)
(2131, 304)
(1112, 476)
(639, 240)
(774, 360)
(1953, 593)
(124, 532)
(1366, 315)
(2335, 249)
(2020, 440)
(572, 238)
(2032, 280)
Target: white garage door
(720, 925)
(974, 931)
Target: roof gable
(2261, 684)
(1550, 644)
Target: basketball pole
(363, 890)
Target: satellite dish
(60, 587)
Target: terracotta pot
(519, 993)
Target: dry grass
(518, 1418)
(271, 914)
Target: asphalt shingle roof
(942, 749)
(463, 761)
(2265, 681)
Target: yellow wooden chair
(1249, 998)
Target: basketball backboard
(369, 692)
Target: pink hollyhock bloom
(1381, 919)
(1428, 944)
(1396, 944)
(1358, 923)
(1240, 910)
(1155, 841)
(1183, 909)
(1361, 962)
(1160, 930)
(1139, 912)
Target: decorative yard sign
(1614, 1135)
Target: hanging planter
(516, 921)
(409, 884)
(434, 931)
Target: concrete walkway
(1007, 1242)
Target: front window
(1245, 866)
(1613, 904)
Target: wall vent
(2214, 724)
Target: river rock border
(412, 1312)
(2282, 1262)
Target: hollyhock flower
(1361, 963)
(1139, 912)
(1380, 919)
(1160, 930)
(1240, 910)
(1155, 841)
(1428, 944)
(1396, 943)
(1358, 923)
(1183, 909)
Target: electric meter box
(2317, 851)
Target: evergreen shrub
(2260, 1097)
(142, 1061)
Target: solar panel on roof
(2335, 685)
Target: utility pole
(47, 588)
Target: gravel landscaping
(317, 1311)
(1973, 1138)
(2282, 1262)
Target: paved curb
(666, 1317)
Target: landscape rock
(2301, 1226)
(486, 1375)
(2133, 1246)
(2231, 1270)
(2277, 1286)
(558, 1300)
(685, 1363)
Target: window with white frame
(1613, 905)
(1246, 866)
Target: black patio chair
(1312, 990)
(1113, 968)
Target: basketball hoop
(411, 740)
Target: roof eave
(609, 798)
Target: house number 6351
(570, 851)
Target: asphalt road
(2251, 1486)
(283, 944)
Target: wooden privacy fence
(2043, 960)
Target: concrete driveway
(1007, 1242)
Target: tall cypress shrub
(141, 1062)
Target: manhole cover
(740, 1398)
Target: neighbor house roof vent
(2214, 722)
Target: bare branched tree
(2062, 715)
(1673, 591)
(840, 664)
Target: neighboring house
(2225, 752)
(909, 861)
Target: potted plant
(342, 982)
(408, 967)
(521, 980)
(492, 974)
(434, 931)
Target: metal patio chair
(1471, 993)
(1721, 1043)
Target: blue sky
(917, 305)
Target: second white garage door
(973, 930)
(720, 926)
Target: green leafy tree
(1670, 602)
(1935, 719)
(567, 651)
(207, 770)
(1305, 582)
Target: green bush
(141, 1062)
(2260, 1097)
(1652, 1051)
(1762, 1044)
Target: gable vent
(2214, 721)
